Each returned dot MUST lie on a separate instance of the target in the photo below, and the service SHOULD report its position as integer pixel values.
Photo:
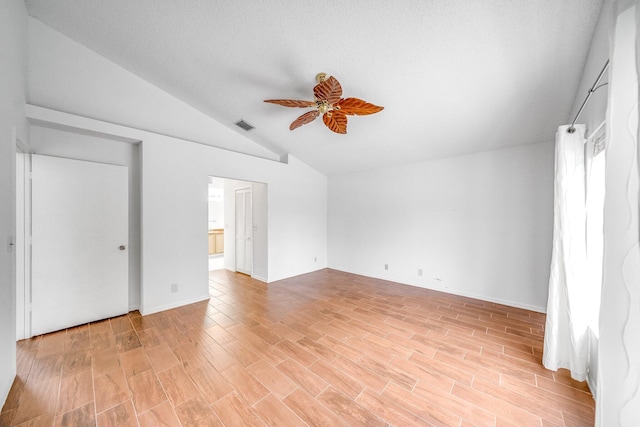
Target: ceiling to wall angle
(455, 77)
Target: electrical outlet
(315, 259)
(174, 287)
(386, 266)
(419, 272)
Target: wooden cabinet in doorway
(216, 241)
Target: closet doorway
(238, 220)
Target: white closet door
(244, 225)
(80, 238)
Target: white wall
(174, 211)
(13, 45)
(81, 146)
(595, 111)
(216, 214)
(478, 225)
(260, 203)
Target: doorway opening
(237, 226)
(216, 223)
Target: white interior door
(79, 242)
(244, 226)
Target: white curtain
(566, 341)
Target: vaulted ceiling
(454, 77)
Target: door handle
(123, 247)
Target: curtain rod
(595, 87)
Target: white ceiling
(455, 76)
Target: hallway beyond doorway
(216, 262)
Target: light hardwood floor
(326, 348)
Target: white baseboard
(452, 292)
(146, 311)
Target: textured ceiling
(455, 76)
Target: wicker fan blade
(329, 90)
(355, 106)
(336, 121)
(307, 117)
(292, 103)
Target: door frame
(23, 241)
(259, 230)
(248, 189)
(219, 185)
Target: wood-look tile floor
(327, 348)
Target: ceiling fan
(330, 104)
